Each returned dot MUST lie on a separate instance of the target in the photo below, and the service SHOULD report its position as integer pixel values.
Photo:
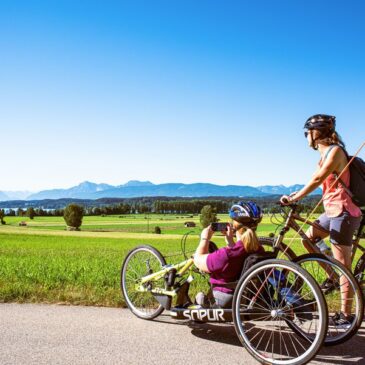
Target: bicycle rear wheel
(266, 299)
(141, 261)
(360, 274)
(283, 251)
(342, 294)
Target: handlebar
(291, 205)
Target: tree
(20, 212)
(207, 216)
(2, 215)
(73, 215)
(31, 213)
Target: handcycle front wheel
(142, 261)
(267, 297)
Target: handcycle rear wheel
(141, 261)
(266, 299)
(328, 273)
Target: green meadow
(42, 262)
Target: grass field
(43, 262)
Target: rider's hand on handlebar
(286, 200)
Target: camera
(218, 227)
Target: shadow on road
(350, 352)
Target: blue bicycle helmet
(246, 213)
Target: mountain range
(135, 188)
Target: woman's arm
(201, 253)
(329, 166)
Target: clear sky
(174, 91)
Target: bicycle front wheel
(342, 294)
(142, 261)
(266, 300)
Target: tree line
(161, 206)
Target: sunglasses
(306, 134)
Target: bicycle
(279, 312)
(329, 273)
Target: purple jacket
(225, 265)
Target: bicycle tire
(274, 308)
(148, 307)
(359, 273)
(268, 244)
(332, 293)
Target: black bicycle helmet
(246, 213)
(321, 122)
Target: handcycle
(341, 287)
(279, 311)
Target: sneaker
(195, 306)
(201, 299)
(184, 305)
(340, 320)
(329, 285)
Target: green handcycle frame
(181, 268)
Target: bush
(73, 215)
(207, 216)
(157, 230)
(31, 213)
(2, 215)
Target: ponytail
(336, 139)
(333, 138)
(250, 240)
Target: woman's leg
(343, 254)
(182, 298)
(341, 234)
(314, 233)
(223, 300)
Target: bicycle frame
(291, 222)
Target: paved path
(51, 334)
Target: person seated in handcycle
(225, 264)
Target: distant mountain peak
(87, 183)
(138, 183)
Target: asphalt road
(51, 334)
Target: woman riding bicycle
(225, 264)
(341, 217)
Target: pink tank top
(336, 200)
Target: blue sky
(174, 91)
